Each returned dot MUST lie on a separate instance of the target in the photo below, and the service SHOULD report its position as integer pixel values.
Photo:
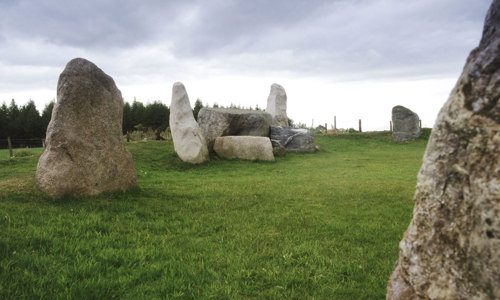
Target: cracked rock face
(451, 250)
(85, 153)
(189, 142)
(292, 139)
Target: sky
(353, 59)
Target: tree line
(26, 122)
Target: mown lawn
(324, 226)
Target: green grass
(323, 226)
(22, 152)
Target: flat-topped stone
(215, 122)
(244, 147)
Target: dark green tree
(46, 116)
(127, 118)
(138, 113)
(156, 116)
(30, 121)
(3, 121)
(197, 107)
(14, 128)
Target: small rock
(279, 151)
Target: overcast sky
(355, 59)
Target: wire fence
(21, 143)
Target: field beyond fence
(324, 225)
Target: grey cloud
(344, 39)
(342, 36)
(87, 24)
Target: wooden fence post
(420, 124)
(10, 146)
(43, 143)
(390, 126)
(326, 128)
(312, 124)
(360, 125)
(128, 136)
(334, 122)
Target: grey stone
(279, 151)
(276, 105)
(244, 147)
(189, 142)
(405, 124)
(292, 139)
(215, 122)
(85, 153)
(451, 249)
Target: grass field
(324, 226)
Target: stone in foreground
(85, 153)
(451, 250)
(405, 124)
(292, 139)
(276, 105)
(244, 147)
(215, 122)
(189, 142)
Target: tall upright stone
(189, 142)
(451, 250)
(276, 105)
(405, 124)
(85, 153)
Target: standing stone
(244, 147)
(276, 105)
(292, 139)
(406, 125)
(189, 142)
(84, 152)
(451, 250)
(215, 122)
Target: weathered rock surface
(244, 147)
(451, 250)
(189, 142)
(85, 153)
(276, 105)
(405, 124)
(215, 122)
(292, 139)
